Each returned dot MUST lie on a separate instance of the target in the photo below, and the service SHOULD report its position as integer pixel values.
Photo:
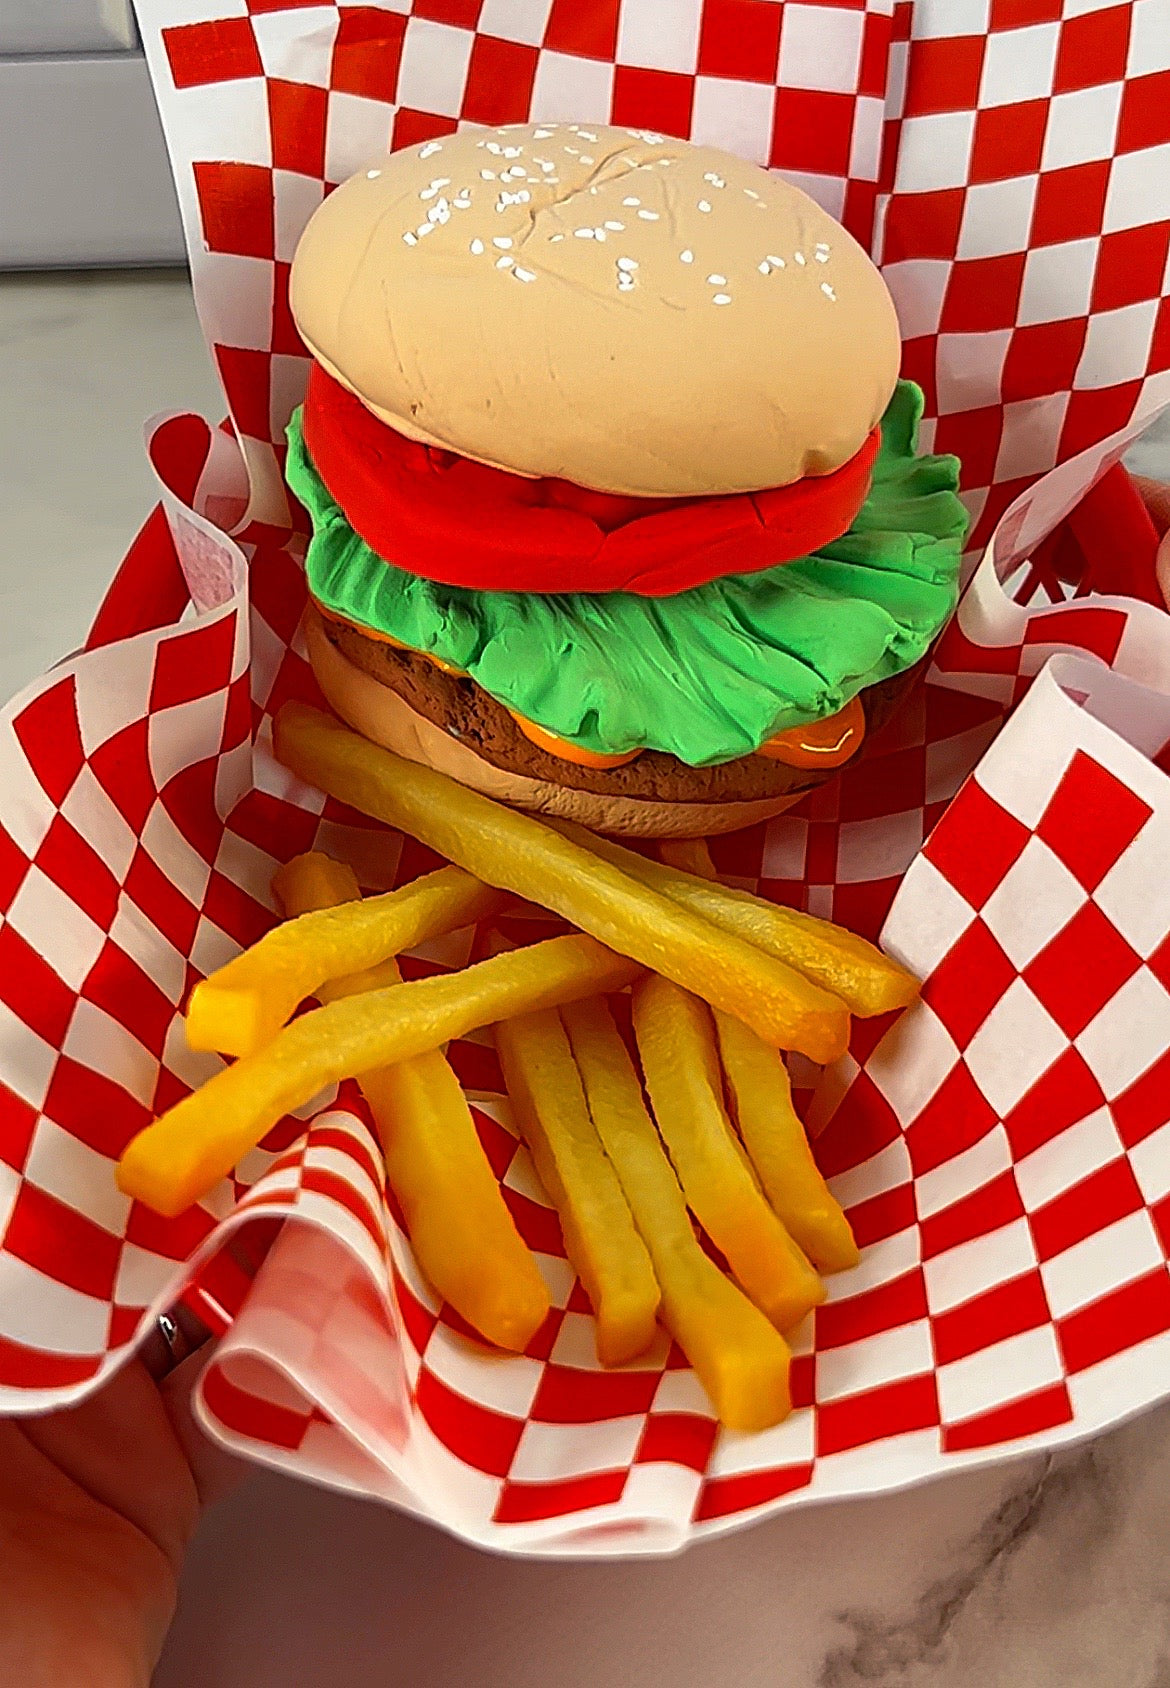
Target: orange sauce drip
(570, 752)
(820, 744)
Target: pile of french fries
(720, 983)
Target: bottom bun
(381, 714)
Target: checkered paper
(1002, 1151)
(1013, 1288)
(1007, 162)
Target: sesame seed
(430, 149)
(477, 247)
(721, 298)
(586, 135)
(553, 238)
(687, 257)
(586, 159)
(487, 175)
(544, 134)
(583, 234)
(409, 239)
(751, 193)
(625, 281)
(512, 152)
(765, 268)
(617, 228)
(524, 275)
(627, 263)
(372, 175)
(648, 216)
(717, 280)
(827, 290)
(821, 254)
(505, 263)
(631, 202)
(799, 256)
(776, 263)
(503, 241)
(424, 228)
(463, 203)
(573, 152)
(715, 181)
(704, 205)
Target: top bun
(599, 305)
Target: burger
(616, 506)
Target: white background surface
(1034, 1575)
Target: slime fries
(243, 1004)
(606, 1251)
(760, 1095)
(185, 1153)
(676, 1041)
(858, 973)
(739, 1358)
(520, 854)
(761, 1102)
(462, 1233)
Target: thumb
(216, 1473)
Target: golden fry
(738, 1357)
(244, 1004)
(522, 854)
(865, 979)
(676, 1040)
(761, 1102)
(688, 855)
(185, 1153)
(463, 1236)
(606, 1251)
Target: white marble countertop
(1036, 1574)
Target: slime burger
(615, 502)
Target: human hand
(97, 1506)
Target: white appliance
(84, 178)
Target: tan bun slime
(463, 1236)
(521, 854)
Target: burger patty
(469, 714)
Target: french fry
(761, 1103)
(676, 1040)
(243, 1004)
(463, 1236)
(760, 1092)
(606, 1251)
(738, 1357)
(865, 979)
(519, 853)
(184, 1153)
(688, 855)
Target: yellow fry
(688, 855)
(606, 1251)
(761, 1101)
(676, 1040)
(463, 1236)
(243, 1004)
(865, 979)
(738, 1357)
(185, 1153)
(521, 854)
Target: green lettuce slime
(708, 674)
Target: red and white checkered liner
(1003, 1151)
(1007, 161)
